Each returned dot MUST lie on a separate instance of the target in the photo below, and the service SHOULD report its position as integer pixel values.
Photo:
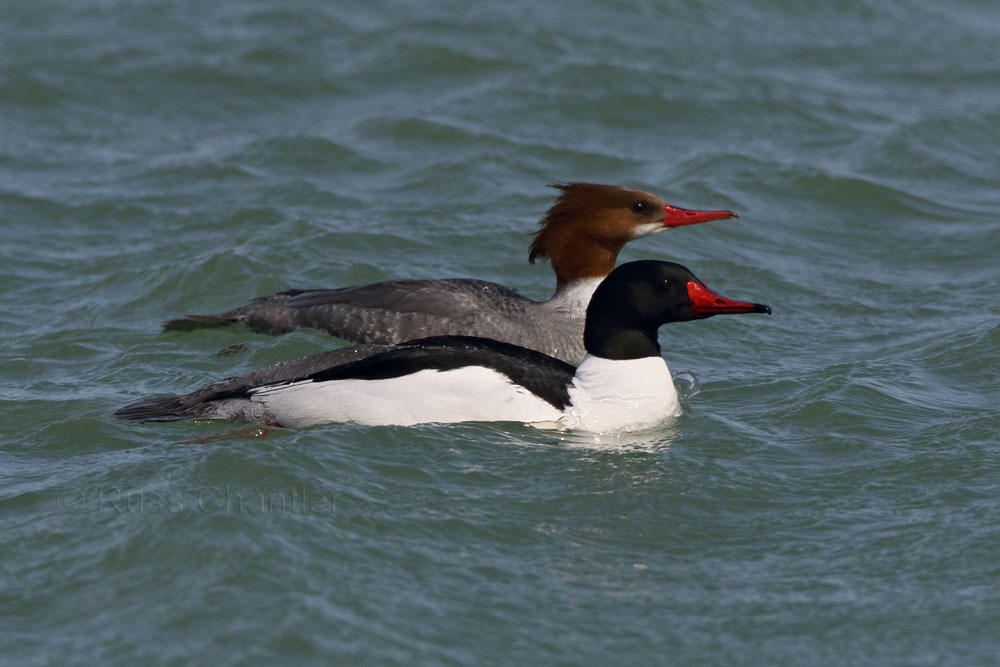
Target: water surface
(828, 497)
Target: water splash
(687, 384)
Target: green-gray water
(830, 495)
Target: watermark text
(208, 500)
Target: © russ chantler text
(208, 500)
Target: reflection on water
(653, 439)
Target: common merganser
(622, 384)
(581, 235)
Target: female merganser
(622, 384)
(581, 235)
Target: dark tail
(192, 322)
(161, 409)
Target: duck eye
(639, 207)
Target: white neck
(574, 297)
(617, 395)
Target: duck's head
(636, 298)
(589, 224)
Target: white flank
(620, 395)
(472, 393)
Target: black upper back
(543, 375)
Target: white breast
(621, 395)
(472, 393)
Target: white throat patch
(649, 229)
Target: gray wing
(400, 310)
(380, 313)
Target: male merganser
(581, 235)
(622, 384)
